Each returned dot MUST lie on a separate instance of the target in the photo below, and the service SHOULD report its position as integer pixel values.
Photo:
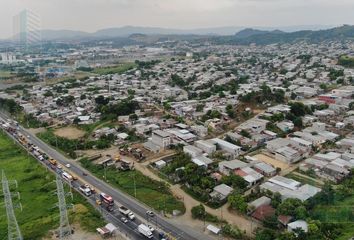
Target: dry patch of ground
(272, 161)
(80, 234)
(69, 132)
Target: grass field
(115, 69)
(36, 187)
(5, 74)
(153, 193)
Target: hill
(345, 32)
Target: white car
(68, 165)
(131, 216)
(59, 166)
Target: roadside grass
(151, 192)
(121, 68)
(38, 198)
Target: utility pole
(13, 230)
(64, 229)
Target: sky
(91, 15)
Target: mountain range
(126, 31)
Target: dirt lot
(272, 161)
(80, 234)
(69, 132)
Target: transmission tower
(13, 230)
(64, 229)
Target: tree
(230, 111)
(265, 234)
(276, 200)
(238, 202)
(198, 212)
(289, 206)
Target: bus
(107, 201)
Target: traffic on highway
(116, 207)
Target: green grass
(304, 180)
(153, 193)
(36, 187)
(5, 74)
(116, 69)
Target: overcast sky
(90, 15)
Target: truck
(107, 201)
(145, 230)
(85, 190)
(126, 212)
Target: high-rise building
(27, 28)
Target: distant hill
(126, 31)
(249, 36)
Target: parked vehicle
(144, 230)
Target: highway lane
(128, 229)
(179, 232)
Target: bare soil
(69, 132)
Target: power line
(64, 228)
(13, 230)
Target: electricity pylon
(13, 230)
(64, 228)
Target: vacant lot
(115, 69)
(38, 199)
(272, 161)
(153, 193)
(69, 132)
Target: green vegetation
(121, 68)
(5, 74)
(69, 146)
(36, 187)
(198, 212)
(151, 192)
(264, 95)
(346, 61)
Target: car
(150, 213)
(68, 165)
(124, 220)
(151, 228)
(131, 216)
(59, 166)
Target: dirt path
(223, 213)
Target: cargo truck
(145, 230)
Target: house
(263, 212)
(254, 125)
(233, 149)
(221, 192)
(192, 150)
(228, 167)
(265, 169)
(161, 138)
(299, 224)
(202, 161)
(289, 188)
(285, 126)
(206, 146)
(251, 176)
(259, 202)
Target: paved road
(179, 232)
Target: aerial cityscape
(176, 120)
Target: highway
(139, 209)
